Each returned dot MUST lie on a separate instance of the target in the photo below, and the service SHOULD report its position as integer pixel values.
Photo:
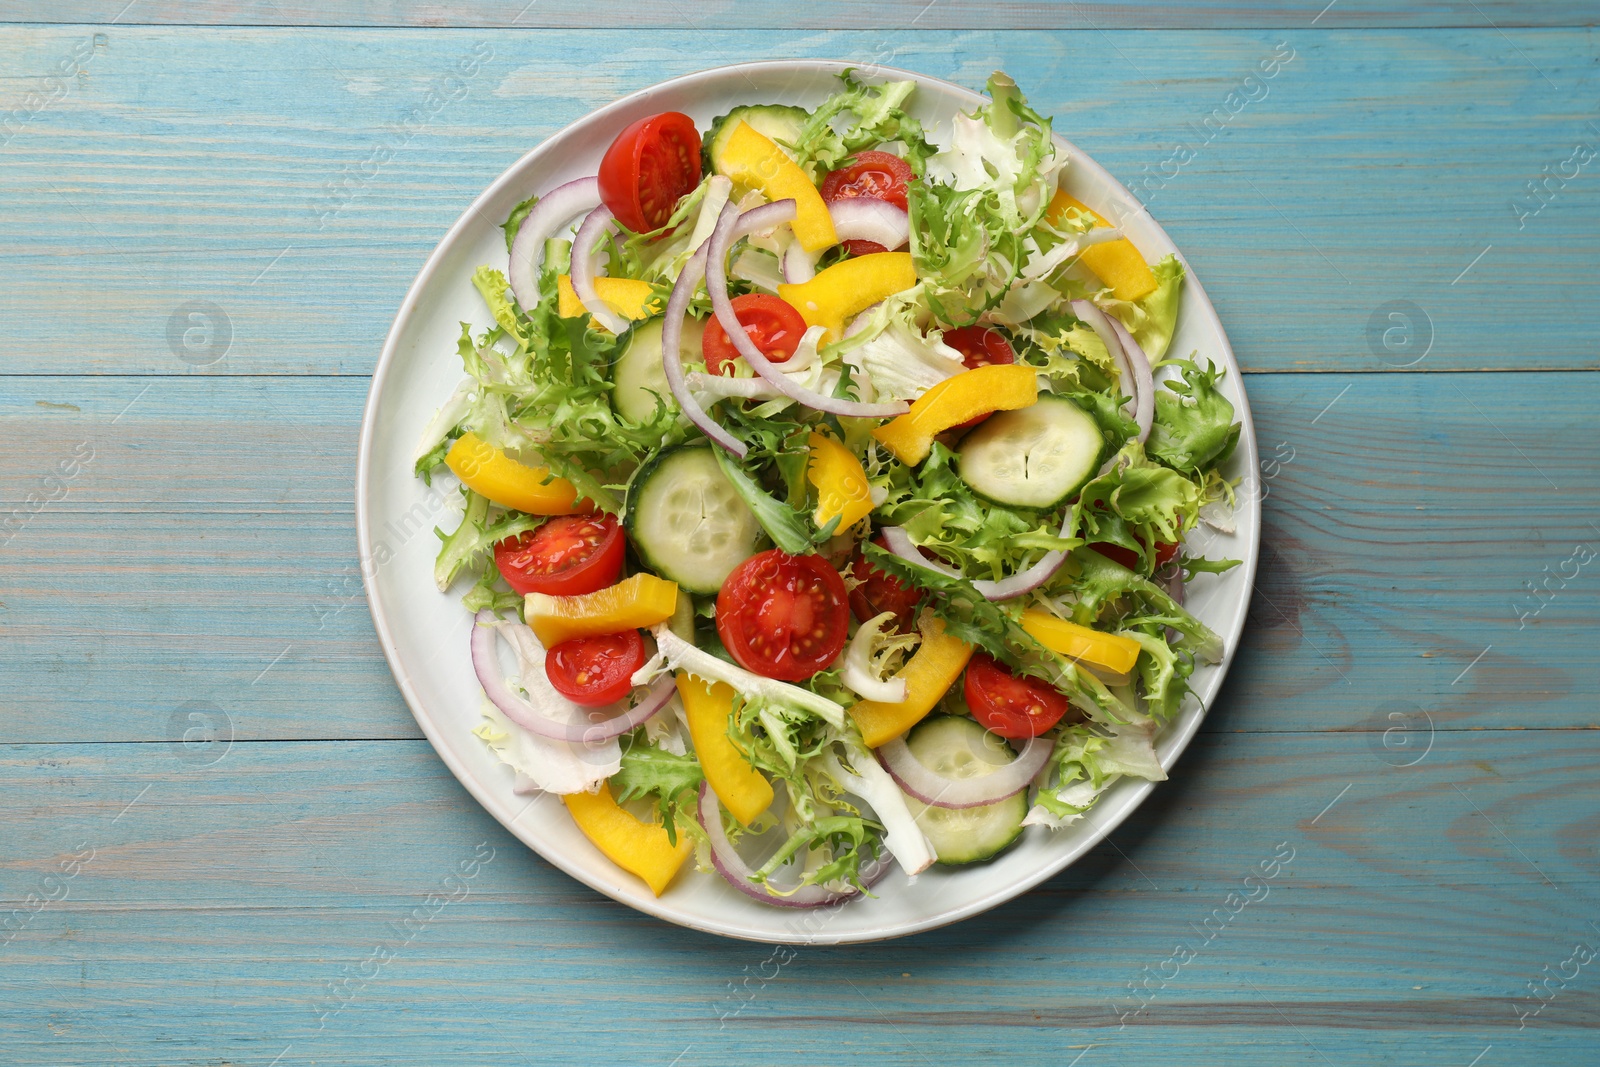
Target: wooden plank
(1412, 913)
(207, 552)
(185, 165)
(826, 15)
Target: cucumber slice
(777, 121)
(957, 747)
(637, 378)
(1034, 457)
(687, 521)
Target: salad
(824, 484)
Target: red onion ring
(859, 218)
(736, 872)
(552, 211)
(900, 543)
(1144, 405)
(486, 665)
(729, 226)
(934, 789)
(1024, 581)
(1100, 323)
(595, 226)
(672, 355)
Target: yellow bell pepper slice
(753, 160)
(489, 472)
(629, 297)
(632, 604)
(998, 387)
(1113, 653)
(842, 488)
(640, 848)
(742, 789)
(848, 288)
(1116, 263)
(933, 669)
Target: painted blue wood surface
(1406, 714)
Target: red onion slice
(859, 218)
(1144, 404)
(900, 543)
(736, 872)
(672, 355)
(1100, 323)
(1024, 581)
(544, 220)
(934, 789)
(798, 266)
(486, 664)
(729, 227)
(864, 218)
(596, 225)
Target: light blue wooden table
(222, 838)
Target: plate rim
(1103, 821)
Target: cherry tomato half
(648, 168)
(783, 616)
(595, 671)
(878, 175)
(1013, 707)
(1165, 551)
(568, 555)
(979, 346)
(772, 325)
(881, 591)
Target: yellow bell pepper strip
(632, 604)
(848, 288)
(742, 789)
(1108, 651)
(998, 387)
(755, 161)
(489, 472)
(628, 297)
(640, 848)
(1116, 263)
(842, 488)
(933, 669)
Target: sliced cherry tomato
(879, 591)
(568, 555)
(594, 671)
(878, 175)
(783, 616)
(773, 325)
(1165, 551)
(979, 346)
(1013, 707)
(648, 168)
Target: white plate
(425, 632)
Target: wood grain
(259, 880)
(186, 164)
(828, 14)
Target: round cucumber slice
(686, 520)
(957, 747)
(637, 378)
(1034, 457)
(780, 122)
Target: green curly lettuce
(878, 118)
(1193, 429)
(673, 781)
